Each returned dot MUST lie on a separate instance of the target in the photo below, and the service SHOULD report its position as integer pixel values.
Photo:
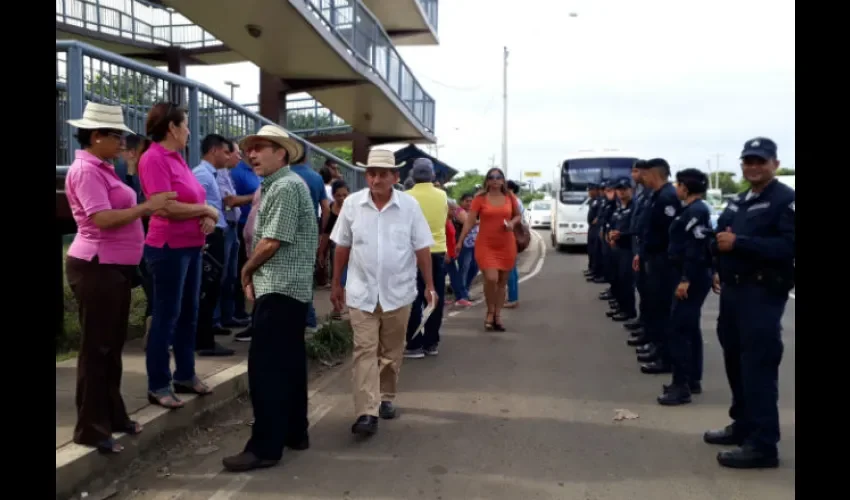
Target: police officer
(621, 236)
(609, 205)
(638, 201)
(689, 251)
(755, 250)
(661, 278)
(592, 212)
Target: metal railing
(432, 10)
(87, 73)
(353, 24)
(306, 116)
(134, 20)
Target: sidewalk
(228, 377)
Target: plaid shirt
(286, 214)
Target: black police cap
(760, 147)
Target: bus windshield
(577, 174)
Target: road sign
(531, 174)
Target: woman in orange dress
(495, 247)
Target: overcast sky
(678, 79)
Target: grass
(332, 341)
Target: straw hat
(380, 158)
(278, 136)
(101, 116)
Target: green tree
(466, 184)
(307, 121)
(726, 182)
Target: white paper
(427, 313)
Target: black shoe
(599, 280)
(648, 357)
(655, 368)
(246, 461)
(236, 323)
(645, 348)
(243, 336)
(366, 425)
(675, 395)
(621, 316)
(637, 340)
(726, 436)
(612, 313)
(217, 330)
(695, 387)
(216, 350)
(300, 443)
(747, 457)
(387, 410)
(591, 279)
(634, 325)
(606, 296)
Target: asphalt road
(512, 416)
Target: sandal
(497, 323)
(166, 399)
(194, 386)
(488, 321)
(109, 447)
(130, 427)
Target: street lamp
(232, 86)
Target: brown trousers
(103, 298)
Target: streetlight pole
(505, 112)
(232, 87)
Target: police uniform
(592, 234)
(662, 207)
(690, 254)
(756, 276)
(606, 212)
(624, 291)
(638, 203)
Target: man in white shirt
(381, 235)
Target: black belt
(767, 279)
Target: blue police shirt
(690, 233)
(206, 175)
(315, 184)
(245, 182)
(765, 232)
(663, 205)
(636, 226)
(623, 222)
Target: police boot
(590, 278)
(726, 436)
(656, 368)
(747, 457)
(645, 348)
(606, 295)
(695, 387)
(599, 280)
(675, 395)
(649, 356)
(622, 316)
(636, 340)
(613, 312)
(633, 325)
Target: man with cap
(621, 237)
(609, 206)
(661, 278)
(755, 252)
(592, 213)
(435, 207)
(382, 236)
(689, 252)
(639, 199)
(278, 277)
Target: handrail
(432, 9)
(80, 49)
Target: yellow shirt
(435, 205)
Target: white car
(539, 213)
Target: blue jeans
(513, 285)
(458, 284)
(312, 322)
(431, 336)
(176, 274)
(468, 266)
(229, 279)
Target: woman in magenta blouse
(175, 240)
(101, 267)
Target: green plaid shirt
(286, 214)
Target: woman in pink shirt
(101, 267)
(173, 247)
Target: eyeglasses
(495, 177)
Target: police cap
(760, 147)
(623, 183)
(592, 185)
(606, 184)
(640, 164)
(696, 181)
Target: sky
(682, 80)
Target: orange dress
(495, 248)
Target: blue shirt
(206, 175)
(225, 186)
(657, 213)
(245, 181)
(315, 184)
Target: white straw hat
(101, 116)
(380, 158)
(278, 136)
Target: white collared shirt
(382, 265)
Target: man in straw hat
(278, 277)
(381, 235)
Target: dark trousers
(750, 332)
(238, 293)
(591, 255)
(277, 375)
(625, 281)
(210, 289)
(594, 250)
(102, 292)
(176, 274)
(430, 337)
(610, 272)
(661, 282)
(147, 287)
(685, 334)
(640, 285)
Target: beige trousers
(379, 340)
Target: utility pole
(505, 113)
(717, 171)
(708, 171)
(232, 87)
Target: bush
(332, 341)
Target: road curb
(78, 465)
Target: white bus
(569, 212)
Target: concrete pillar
(273, 98)
(177, 63)
(360, 148)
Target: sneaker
(414, 353)
(463, 303)
(431, 351)
(243, 336)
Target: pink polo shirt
(92, 186)
(163, 170)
